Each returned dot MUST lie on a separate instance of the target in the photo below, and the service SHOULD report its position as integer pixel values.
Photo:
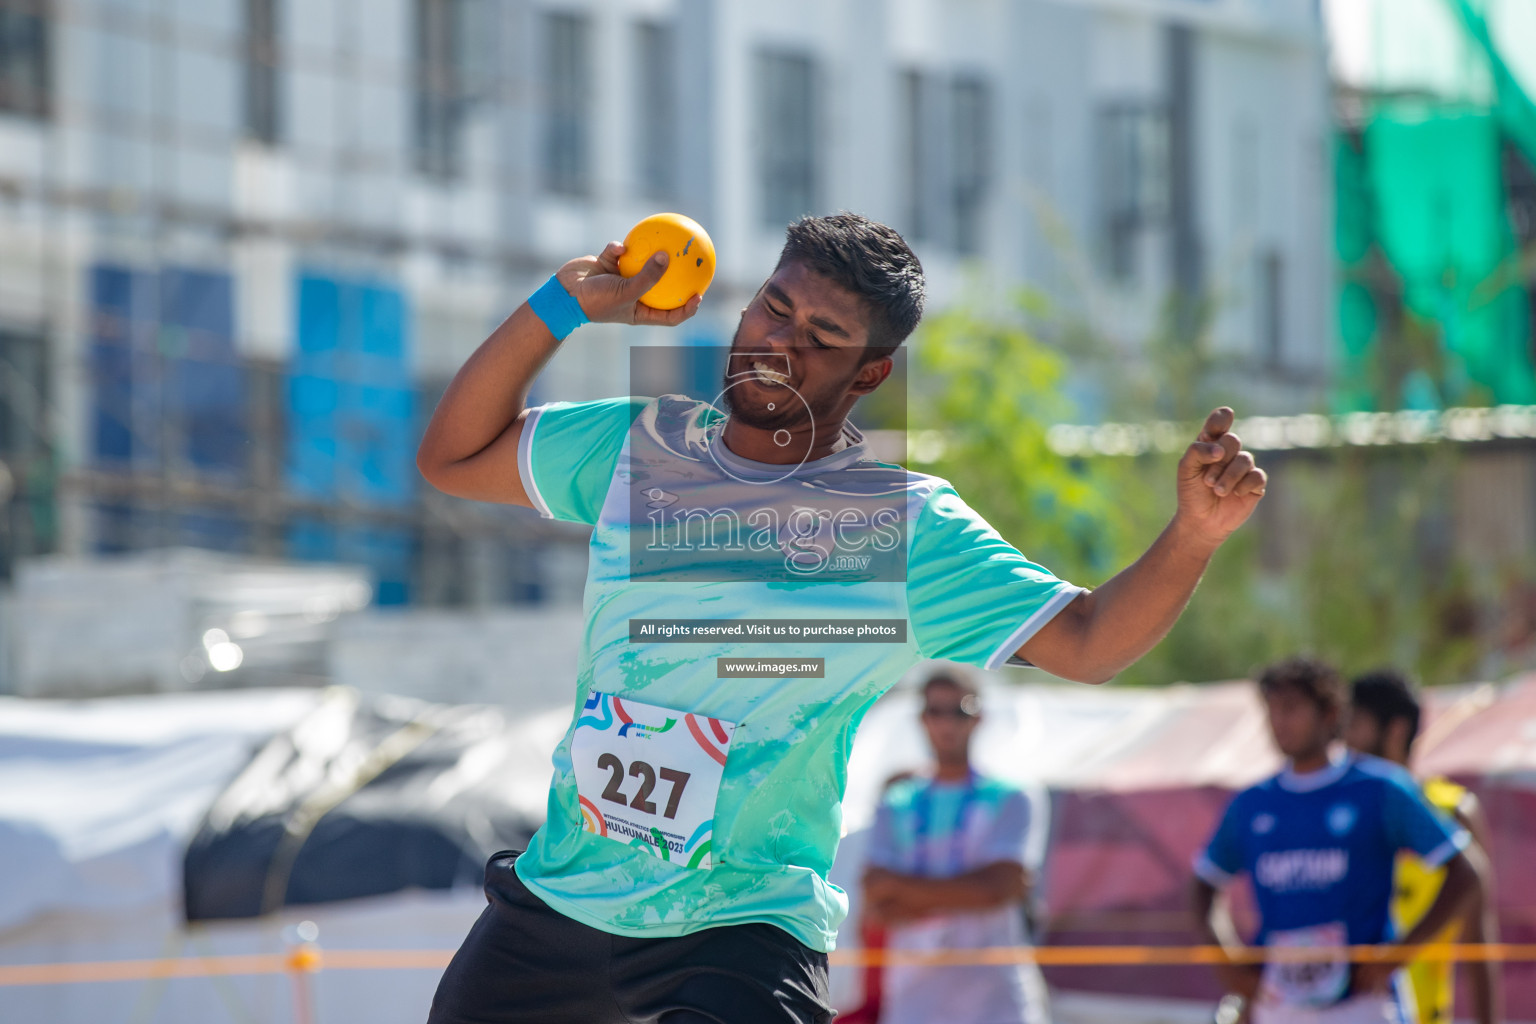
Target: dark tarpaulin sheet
(364, 796)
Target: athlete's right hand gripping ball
(610, 296)
(692, 258)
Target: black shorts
(525, 962)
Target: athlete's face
(949, 716)
(1363, 732)
(800, 344)
(1301, 728)
(1366, 732)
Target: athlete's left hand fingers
(1217, 423)
(1238, 467)
(1230, 445)
(1254, 483)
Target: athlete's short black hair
(1388, 695)
(873, 262)
(1311, 677)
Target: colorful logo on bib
(695, 850)
(716, 742)
(592, 819)
(600, 703)
(631, 726)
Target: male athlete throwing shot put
(681, 874)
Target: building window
(27, 471)
(24, 58)
(261, 71)
(23, 411)
(159, 407)
(567, 104)
(1270, 308)
(656, 113)
(1038, 152)
(1519, 192)
(786, 136)
(915, 156)
(437, 119)
(1132, 181)
(971, 157)
(945, 186)
(455, 50)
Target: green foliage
(993, 391)
(1338, 561)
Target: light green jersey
(958, 591)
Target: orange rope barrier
(1120, 956)
(141, 970)
(311, 958)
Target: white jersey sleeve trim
(525, 462)
(1032, 625)
(1207, 871)
(1448, 849)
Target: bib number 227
(614, 793)
(649, 776)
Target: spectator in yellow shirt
(1383, 721)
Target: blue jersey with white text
(1319, 848)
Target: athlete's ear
(871, 375)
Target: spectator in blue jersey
(1319, 841)
(952, 858)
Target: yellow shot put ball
(692, 254)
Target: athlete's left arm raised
(1106, 630)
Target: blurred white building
(244, 243)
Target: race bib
(1312, 983)
(649, 776)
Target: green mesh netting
(1432, 307)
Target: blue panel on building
(197, 331)
(163, 365)
(122, 321)
(352, 423)
(351, 419)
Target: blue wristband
(558, 309)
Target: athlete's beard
(790, 412)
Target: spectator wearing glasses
(951, 860)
